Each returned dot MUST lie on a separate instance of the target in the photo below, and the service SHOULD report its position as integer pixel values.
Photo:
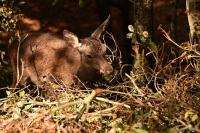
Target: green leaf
(143, 39)
(140, 131)
(134, 40)
(191, 115)
(116, 122)
(131, 28)
(137, 128)
(129, 35)
(8, 93)
(22, 93)
(2, 54)
(172, 130)
(145, 34)
(81, 3)
(194, 117)
(153, 47)
(55, 2)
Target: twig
(22, 72)
(134, 84)
(123, 93)
(169, 38)
(114, 52)
(101, 111)
(112, 102)
(81, 82)
(18, 74)
(18, 61)
(67, 104)
(87, 101)
(187, 126)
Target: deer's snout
(106, 69)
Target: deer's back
(46, 55)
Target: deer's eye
(89, 56)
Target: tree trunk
(193, 13)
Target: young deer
(43, 57)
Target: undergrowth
(161, 99)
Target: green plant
(139, 36)
(9, 14)
(9, 18)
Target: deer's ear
(71, 38)
(97, 33)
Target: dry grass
(174, 108)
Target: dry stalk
(87, 102)
(56, 80)
(171, 62)
(169, 39)
(112, 102)
(19, 75)
(113, 52)
(22, 72)
(67, 104)
(135, 85)
(101, 112)
(186, 126)
(18, 60)
(122, 93)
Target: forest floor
(163, 99)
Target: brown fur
(46, 57)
